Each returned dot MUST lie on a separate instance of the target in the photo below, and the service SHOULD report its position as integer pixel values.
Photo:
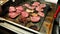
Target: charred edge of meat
(24, 21)
(34, 27)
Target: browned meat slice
(27, 5)
(41, 14)
(35, 18)
(20, 8)
(12, 9)
(18, 11)
(24, 14)
(30, 7)
(36, 4)
(13, 15)
(43, 5)
(39, 9)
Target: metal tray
(5, 11)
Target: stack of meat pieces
(33, 11)
(14, 11)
